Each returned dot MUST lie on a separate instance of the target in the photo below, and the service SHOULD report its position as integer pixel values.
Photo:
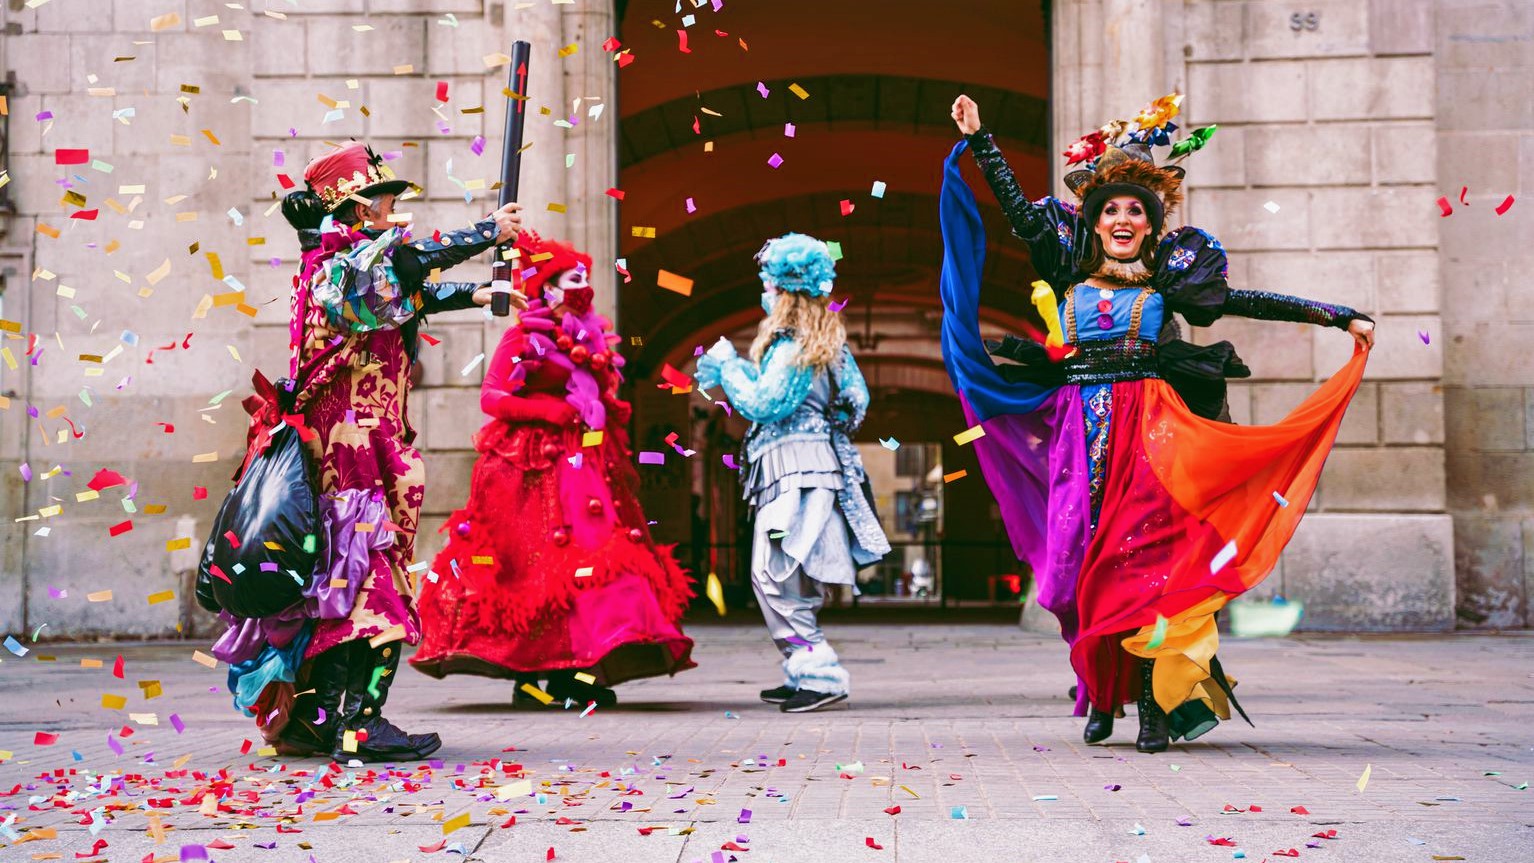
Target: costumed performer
(550, 570)
(814, 524)
(1139, 513)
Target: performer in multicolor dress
(813, 524)
(316, 676)
(1139, 513)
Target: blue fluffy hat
(797, 262)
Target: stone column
(591, 87)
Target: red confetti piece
(551, 853)
(95, 850)
(120, 529)
(429, 340)
(624, 59)
(105, 479)
(1444, 207)
(285, 181)
(434, 847)
(1329, 834)
(697, 129)
(1290, 853)
(1505, 205)
(1298, 810)
(1254, 808)
(893, 810)
(88, 216)
(117, 667)
(731, 846)
(611, 44)
(441, 91)
(245, 747)
(1462, 191)
(44, 738)
(847, 208)
(199, 492)
(1223, 841)
(234, 541)
(71, 157)
(681, 37)
(219, 845)
(169, 428)
(869, 841)
(615, 193)
(509, 822)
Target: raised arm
(762, 394)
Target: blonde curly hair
(818, 329)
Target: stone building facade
(1341, 122)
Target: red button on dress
(1105, 306)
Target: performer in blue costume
(804, 480)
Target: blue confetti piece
(959, 813)
(14, 646)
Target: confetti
(889, 443)
(1445, 209)
(879, 187)
(714, 590)
(1507, 204)
(1158, 637)
(776, 160)
(1280, 499)
(1424, 337)
(969, 435)
(1271, 206)
(956, 475)
(1363, 780)
(673, 282)
(1226, 555)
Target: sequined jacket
(775, 397)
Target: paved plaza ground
(964, 728)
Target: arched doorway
(844, 102)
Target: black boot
(371, 673)
(326, 674)
(1153, 726)
(563, 685)
(1099, 726)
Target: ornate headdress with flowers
(351, 172)
(1116, 160)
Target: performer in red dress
(550, 569)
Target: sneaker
(806, 700)
(778, 695)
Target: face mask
(767, 301)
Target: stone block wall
(1320, 182)
(1485, 142)
(274, 83)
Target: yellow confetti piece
(537, 693)
(204, 659)
(151, 689)
(181, 140)
(145, 718)
(556, 208)
(113, 702)
(907, 790)
(164, 22)
(798, 91)
(90, 663)
(515, 789)
(6, 755)
(641, 231)
(592, 438)
(958, 474)
(99, 596)
(84, 496)
(585, 572)
(162, 596)
(457, 822)
(10, 358)
(348, 744)
(234, 353)
(47, 230)
(404, 70)
(208, 133)
(204, 457)
(585, 678)
(1363, 781)
(154, 508)
(482, 559)
(267, 752)
(159, 272)
(969, 435)
(714, 590)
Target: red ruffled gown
(550, 565)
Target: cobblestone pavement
(964, 728)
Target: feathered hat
(348, 171)
(1116, 160)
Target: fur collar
(1130, 273)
